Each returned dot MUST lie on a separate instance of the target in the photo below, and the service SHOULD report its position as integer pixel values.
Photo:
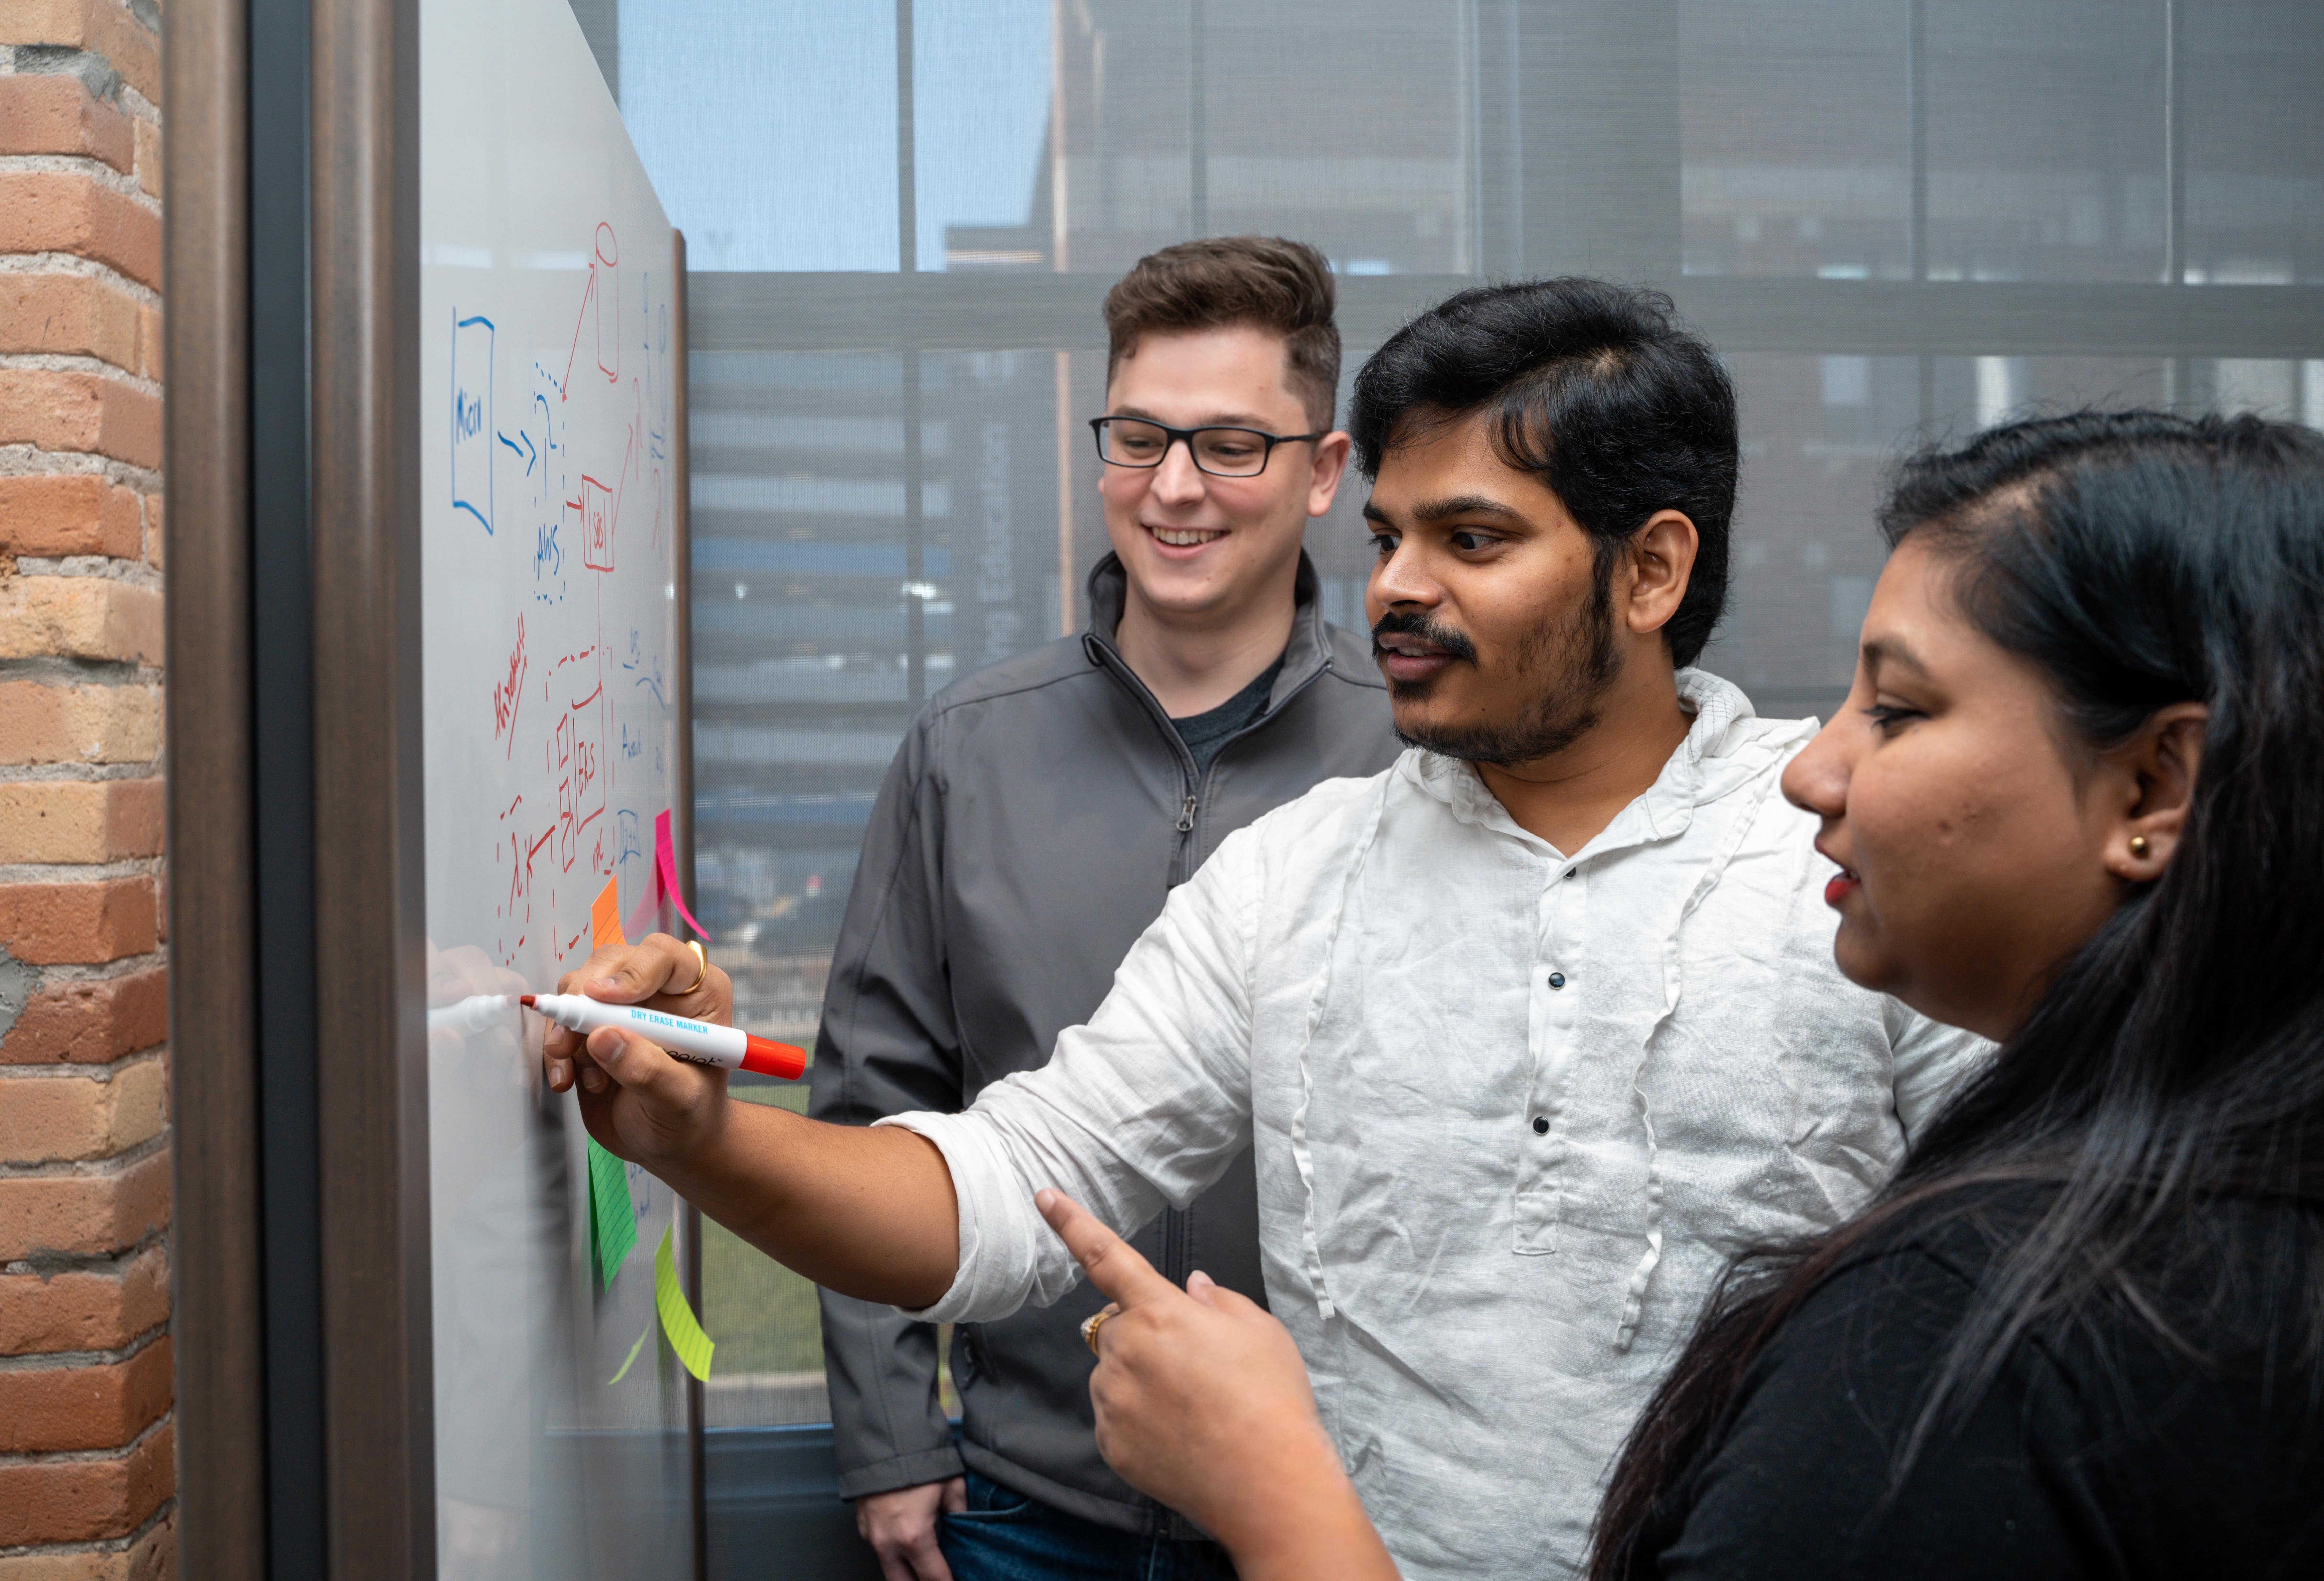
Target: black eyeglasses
(1222, 452)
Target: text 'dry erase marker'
(698, 1042)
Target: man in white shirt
(1529, 1033)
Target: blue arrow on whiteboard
(530, 455)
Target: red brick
(51, 1119)
(80, 617)
(149, 338)
(91, 1023)
(70, 315)
(47, 1410)
(41, 723)
(82, 1501)
(80, 820)
(93, 1215)
(54, 515)
(83, 1310)
(152, 1558)
(78, 924)
(148, 159)
(54, 114)
(65, 409)
(61, 211)
(102, 27)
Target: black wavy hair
(1597, 390)
(2171, 1078)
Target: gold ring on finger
(1091, 1325)
(701, 968)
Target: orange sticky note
(606, 918)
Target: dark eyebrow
(1216, 420)
(1881, 651)
(1428, 513)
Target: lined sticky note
(693, 1346)
(612, 1217)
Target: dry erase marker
(695, 1041)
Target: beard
(1558, 675)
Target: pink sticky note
(666, 863)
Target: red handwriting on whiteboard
(507, 694)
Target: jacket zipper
(1175, 1224)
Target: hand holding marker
(698, 1041)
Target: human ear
(1660, 558)
(2156, 769)
(1331, 466)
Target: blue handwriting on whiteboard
(472, 417)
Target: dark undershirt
(1206, 732)
(2132, 1462)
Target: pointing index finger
(1114, 1265)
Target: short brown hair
(1219, 282)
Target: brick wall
(85, 1474)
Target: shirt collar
(1711, 761)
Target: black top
(1206, 732)
(2099, 1452)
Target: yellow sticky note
(606, 918)
(685, 1336)
(644, 1335)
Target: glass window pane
(872, 523)
(2046, 140)
(1794, 138)
(2254, 143)
(769, 128)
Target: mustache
(1408, 623)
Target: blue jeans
(1006, 1536)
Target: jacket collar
(1308, 654)
(1721, 752)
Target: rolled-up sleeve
(1144, 1105)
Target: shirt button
(1557, 979)
(1540, 1127)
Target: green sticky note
(612, 1218)
(685, 1336)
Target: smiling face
(1489, 621)
(1203, 550)
(1975, 845)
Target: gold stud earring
(2138, 845)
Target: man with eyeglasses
(1031, 826)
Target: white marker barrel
(698, 1042)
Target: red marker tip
(768, 1057)
(525, 1000)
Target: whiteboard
(548, 662)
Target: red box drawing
(596, 525)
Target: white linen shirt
(1513, 1111)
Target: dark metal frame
(862, 312)
(217, 1284)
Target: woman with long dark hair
(2076, 798)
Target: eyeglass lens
(1223, 451)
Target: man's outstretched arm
(870, 1213)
